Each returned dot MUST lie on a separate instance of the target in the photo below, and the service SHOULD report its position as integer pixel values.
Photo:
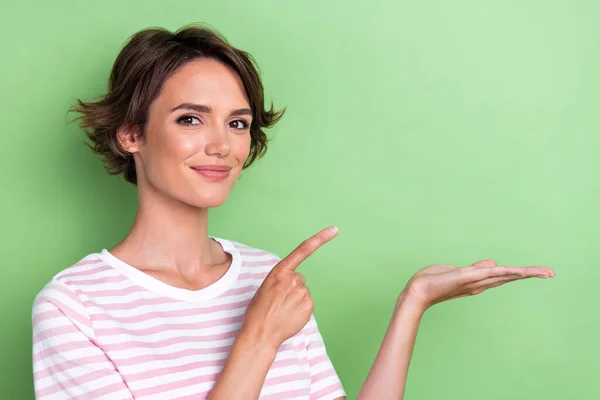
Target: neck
(168, 234)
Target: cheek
(187, 145)
(178, 146)
(165, 150)
(241, 148)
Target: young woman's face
(197, 136)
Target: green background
(429, 132)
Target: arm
(248, 363)
(246, 368)
(66, 362)
(387, 377)
(431, 285)
(280, 308)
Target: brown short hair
(148, 59)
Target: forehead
(207, 82)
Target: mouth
(213, 172)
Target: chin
(211, 204)
(204, 201)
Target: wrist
(257, 340)
(409, 304)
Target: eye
(188, 120)
(239, 124)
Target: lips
(213, 172)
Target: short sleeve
(325, 383)
(67, 364)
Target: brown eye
(188, 120)
(239, 124)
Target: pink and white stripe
(105, 330)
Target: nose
(217, 143)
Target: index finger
(498, 271)
(307, 247)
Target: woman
(172, 313)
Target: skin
(169, 237)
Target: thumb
(484, 264)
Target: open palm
(438, 283)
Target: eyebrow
(206, 109)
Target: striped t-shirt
(103, 329)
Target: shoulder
(64, 287)
(91, 269)
(59, 298)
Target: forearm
(387, 377)
(245, 370)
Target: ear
(129, 139)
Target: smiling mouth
(213, 172)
